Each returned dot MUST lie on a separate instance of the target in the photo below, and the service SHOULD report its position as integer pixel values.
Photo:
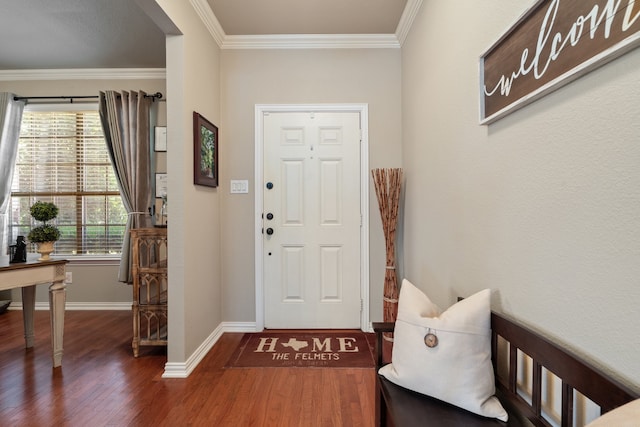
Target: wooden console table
(27, 275)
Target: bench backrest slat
(574, 373)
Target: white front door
(312, 219)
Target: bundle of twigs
(388, 183)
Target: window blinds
(62, 157)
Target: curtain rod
(157, 95)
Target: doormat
(286, 349)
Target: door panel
(293, 273)
(293, 194)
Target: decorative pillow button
(430, 340)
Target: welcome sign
(553, 43)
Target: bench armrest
(383, 327)
(379, 328)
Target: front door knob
(269, 231)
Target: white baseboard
(69, 306)
(183, 370)
(239, 327)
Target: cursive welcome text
(551, 43)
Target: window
(62, 157)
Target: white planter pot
(44, 249)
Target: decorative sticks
(388, 183)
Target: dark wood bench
(403, 408)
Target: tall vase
(388, 183)
(45, 249)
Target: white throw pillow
(624, 416)
(457, 369)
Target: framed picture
(205, 152)
(161, 185)
(161, 138)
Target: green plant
(44, 211)
(44, 233)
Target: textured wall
(193, 211)
(542, 206)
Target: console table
(27, 275)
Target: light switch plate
(239, 186)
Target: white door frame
(363, 109)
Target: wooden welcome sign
(553, 43)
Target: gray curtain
(10, 118)
(125, 121)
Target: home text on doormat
(335, 349)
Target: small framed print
(161, 138)
(205, 152)
(161, 185)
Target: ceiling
(65, 34)
(259, 17)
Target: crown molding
(210, 21)
(85, 74)
(312, 41)
(406, 20)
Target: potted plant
(46, 234)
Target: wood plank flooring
(100, 383)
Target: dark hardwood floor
(100, 383)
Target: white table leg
(57, 295)
(28, 306)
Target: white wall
(542, 206)
(314, 76)
(193, 211)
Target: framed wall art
(205, 152)
(161, 185)
(160, 139)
